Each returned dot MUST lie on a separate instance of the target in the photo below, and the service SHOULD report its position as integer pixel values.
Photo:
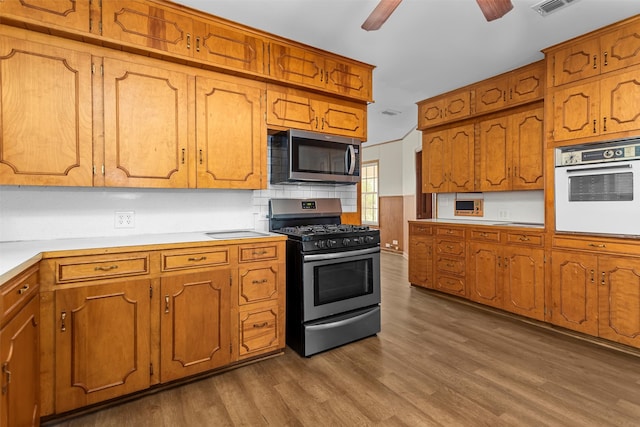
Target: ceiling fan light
(380, 14)
(494, 9)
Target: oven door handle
(331, 325)
(600, 168)
(338, 255)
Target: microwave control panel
(596, 154)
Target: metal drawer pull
(63, 316)
(449, 247)
(202, 258)
(260, 325)
(23, 289)
(597, 245)
(450, 265)
(257, 282)
(101, 268)
(259, 252)
(524, 238)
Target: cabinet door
(291, 110)
(574, 291)
(72, 14)
(495, 146)
(343, 119)
(457, 105)
(229, 47)
(527, 142)
(102, 342)
(486, 268)
(147, 24)
(231, 133)
(492, 95)
(421, 261)
(430, 113)
(620, 48)
(619, 299)
(52, 145)
(523, 287)
(19, 353)
(347, 79)
(451, 285)
(434, 162)
(145, 125)
(296, 65)
(195, 324)
(619, 105)
(576, 112)
(576, 62)
(461, 150)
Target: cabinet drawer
(525, 239)
(180, 260)
(259, 252)
(451, 285)
(447, 231)
(596, 244)
(101, 267)
(18, 291)
(486, 235)
(258, 284)
(450, 247)
(420, 229)
(261, 329)
(451, 265)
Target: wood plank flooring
(437, 362)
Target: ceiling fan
(491, 9)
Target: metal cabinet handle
(258, 282)
(202, 258)
(63, 316)
(602, 282)
(604, 124)
(166, 303)
(597, 245)
(499, 265)
(109, 268)
(183, 156)
(606, 62)
(260, 325)
(197, 44)
(595, 64)
(321, 75)
(594, 126)
(188, 41)
(200, 156)
(262, 252)
(23, 289)
(7, 374)
(524, 238)
(593, 276)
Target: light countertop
(466, 221)
(17, 256)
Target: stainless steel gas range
(333, 274)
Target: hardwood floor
(437, 362)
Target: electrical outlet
(503, 214)
(394, 242)
(125, 219)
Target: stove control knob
(361, 240)
(331, 243)
(370, 239)
(346, 242)
(322, 244)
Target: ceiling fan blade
(380, 14)
(494, 9)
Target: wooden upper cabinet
(495, 152)
(446, 108)
(604, 52)
(145, 125)
(71, 14)
(148, 24)
(448, 160)
(229, 47)
(231, 133)
(516, 87)
(52, 144)
(619, 103)
(304, 67)
(289, 108)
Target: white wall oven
(597, 188)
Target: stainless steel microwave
(300, 156)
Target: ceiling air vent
(549, 6)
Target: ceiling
(427, 47)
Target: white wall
(390, 166)
(40, 213)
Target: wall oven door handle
(600, 168)
(338, 255)
(350, 159)
(343, 322)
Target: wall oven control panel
(597, 153)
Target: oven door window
(343, 280)
(609, 187)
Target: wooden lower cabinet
(421, 256)
(195, 325)
(597, 294)
(449, 263)
(485, 274)
(20, 351)
(102, 342)
(260, 328)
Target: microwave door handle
(350, 159)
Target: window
(369, 188)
